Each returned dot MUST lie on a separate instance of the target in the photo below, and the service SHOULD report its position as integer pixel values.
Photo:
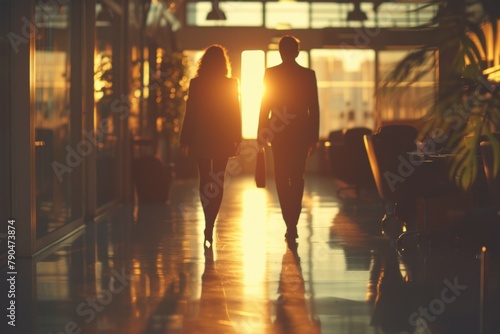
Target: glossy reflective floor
(145, 270)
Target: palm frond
(477, 113)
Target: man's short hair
(289, 46)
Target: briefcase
(260, 168)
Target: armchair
(385, 150)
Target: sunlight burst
(252, 87)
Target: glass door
(56, 157)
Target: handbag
(260, 168)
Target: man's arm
(314, 109)
(236, 108)
(188, 122)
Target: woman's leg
(212, 172)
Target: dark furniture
(387, 151)
(335, 152)
(349, 161)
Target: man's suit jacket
(212, 123)
(289, 113)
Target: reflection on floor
(145, 270)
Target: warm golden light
(252, 87)
(253, 218)
(273, 58)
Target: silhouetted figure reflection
(289, 121)
(154, 235)
(162, 319)
(211, 131)
(292, 312)
(150, 232)
(395, 299)
(213, 316)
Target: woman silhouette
(211, 132)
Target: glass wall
(406, 103)
(346, 86)
(72, 125)
(56, 158)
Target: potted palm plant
(467, 44)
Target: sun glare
(252, 87)
(273, 58)
(253, 220)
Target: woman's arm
(189, 115)
(237, 108)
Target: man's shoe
(292, 245)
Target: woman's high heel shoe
(209, 235)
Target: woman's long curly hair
(214, 62)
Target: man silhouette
(289, 121)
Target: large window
(287, 15)
(346, 85)
(241, 14)
(305, 14)
(403, 102)
(253, 65)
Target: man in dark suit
(289, 121)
